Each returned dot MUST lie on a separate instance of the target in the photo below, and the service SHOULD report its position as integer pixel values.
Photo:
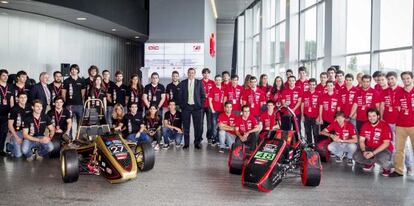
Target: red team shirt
(310, 104)
(366, 99)
(304, 85)
(245, 125)
(330, 104)
(376, 135)
(229, 120)
(405, 100)
(233, 95)
(217, 96)
(320, 88)
(347, 99)
(390, 113)
(268, 120)
(267, 90)
(339, 87)
(253, 100)
(225, 86)
(208, 85)
(345, 132)
(291, 97)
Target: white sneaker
(157, 147)
(31, 158)
(410, 172)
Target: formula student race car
(283, 151)
(98, 151)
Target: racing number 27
(264, 155)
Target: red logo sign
(153, 47)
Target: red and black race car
(282, 152)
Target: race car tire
(69, 164)
(145, 156)
(311, 168)
(55, 153)
(236, 158)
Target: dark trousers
(251, 141)
(3, 131)
(197, 115)
(322, 126)
(359, 125)
(207, 112)
(311, 129)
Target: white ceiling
(229, 9)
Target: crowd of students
(366, 125)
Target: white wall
(37, 43)
(225, 35)
(209, 28)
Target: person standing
(171, 91)
(254, 98)
(329, 104)
(215, 100)
(21, 85)
(117, 93)
(41, 91)
(310, 111)
(404, 102)
(154, 93)
(233, 94)
(73, 93)
(302, 82)
(208, 84)
(134, 94)
(107, 85)
(347, 95)
(291, 97)
(56, 86)
(192, 98)
(6, 103)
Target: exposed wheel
(145, 156)
(55, 153)
(69, 165)
(236, 158)
(311, 168)
(322, 149)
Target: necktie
(191, 92)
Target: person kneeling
(132, 125)
(173, 127)
(33, 133)
(374, 144)
(151, 126)
(344, 138)
(247, 128)
(226, 124)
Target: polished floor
(194, 177)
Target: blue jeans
(214, 128)
(108, 115)
(171, 134)
(226, 137)
(76, 111)
(43, 149)
(142, 138)
(16, 149)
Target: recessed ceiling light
(136, 37)
(81, 18)
(113, 29)
(4, 2)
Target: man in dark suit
(40, 91)
(191, 98)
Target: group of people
(364, 123)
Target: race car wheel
(145, 156)
(236, 158)
(311, 168)
(55, 153)
(69, 165)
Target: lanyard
(154, 90)
(57, 92)
(97, 93)
(58, 117)
(173, 118)
(4, 92)
(37, 123)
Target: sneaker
(38, 157)
(338, 159)
(386, 173)
(395, 174)
(368, 168)
(157, 147)
(31, 158)
(178, 145)
(221, 150)
(349, 162)
(209, 141)
(213, 143)
(410, 171)
(166, 146)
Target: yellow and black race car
(98, 151)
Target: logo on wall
(196, 48)
(153, 47)
(212, 45)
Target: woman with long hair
(264, 86)
(134, 93)
(151, 126)
(97, 92)
(118, 117)
(277, 89)
(246, 83)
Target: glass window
(396, 23)
(272, 20)
(282, 10)
(307, 3)
(280, 48)
(256, 51)
(397, 61)
(321, 29)
(310, 35)
(358, 26)
(272, 45)
(358, 63)
(256, 20)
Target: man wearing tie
(41, 91)
(191, 97)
